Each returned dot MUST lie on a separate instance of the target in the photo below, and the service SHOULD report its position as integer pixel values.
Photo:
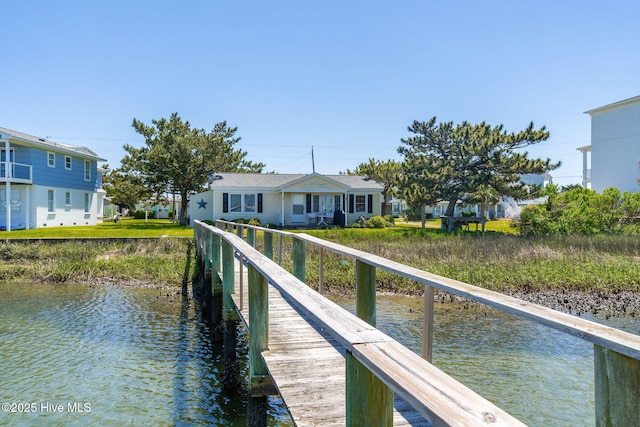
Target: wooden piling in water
(231, 368)
(258, 342)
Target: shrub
(375, 222)
(140, 214)
(582, 211)
(389, 220)
(255, 221)
(468, 214)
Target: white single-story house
(288, 199)
(612, 158)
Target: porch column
(27, 207)
(7, 175)
(213, 206)
(345, 208)
(584, 169)
(282, 210)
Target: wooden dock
(308, 365)
(335, 368)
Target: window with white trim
(87, 170)
(51, 206)
(361, 203)
(51, 159)
(249, 202)
(87, 202)
(67, 162)
(235, 202)
(242, 203)
(67, 198)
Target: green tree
(451, 162)
(484, 196)
(124, 190)
(179, 159)
(417, 197)
(385, 174)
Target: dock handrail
(617, 353)
(439, 398)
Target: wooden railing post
(216, 285)
(231, 372)
(299, 259)
(617, 384)
(258, 342)
(280, 249)
(369, 401)
(366, 292)
(228, 274)
(268, 244)
(215, 256)
(240, 231)
(427, 324)
(321, 272)
(251, 237)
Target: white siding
(63, 215)
(615, 147)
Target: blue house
(47, 184)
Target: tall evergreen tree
(450, 162)
(178, 158)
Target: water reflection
(541, 376)
(136, 356)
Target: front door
(297, 209)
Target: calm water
(78, 355)
(109, 357)
(540, 376)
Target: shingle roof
(277, 181)
(84, 151)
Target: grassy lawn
(499, 225)
(124, 228)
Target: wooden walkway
(308, 365)
(335, 368)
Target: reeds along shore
(133, 261)
(569, 273)
(595, 273)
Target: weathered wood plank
(328, 319)
(437, 396)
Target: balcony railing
(15, 172)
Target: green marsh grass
(155, 261)
(496, 261)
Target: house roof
(281, 181)
(51, 145)
(614, 105)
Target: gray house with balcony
(47, 184)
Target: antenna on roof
(313, 162)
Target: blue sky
(346, 77)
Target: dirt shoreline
(616, 304)
(621, 304)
